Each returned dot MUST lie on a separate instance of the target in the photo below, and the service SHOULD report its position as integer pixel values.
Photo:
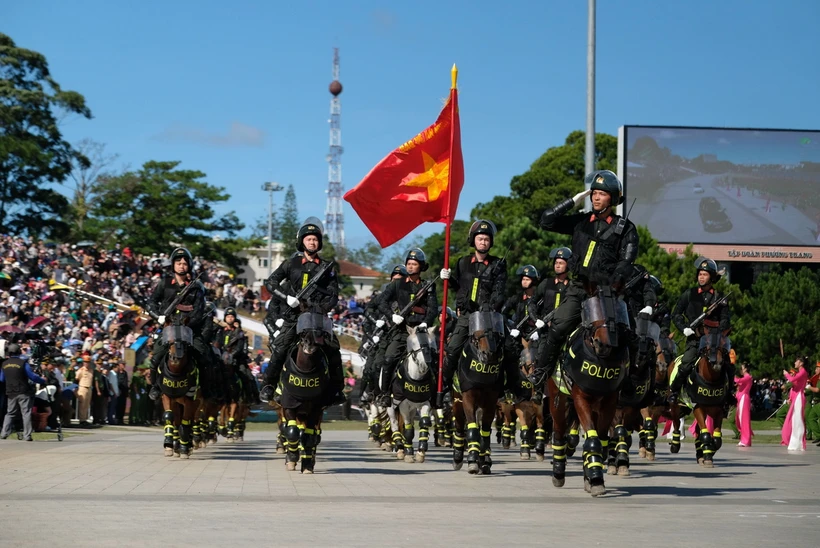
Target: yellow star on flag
(434, 177)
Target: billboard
(737, 194)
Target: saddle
(593, 375)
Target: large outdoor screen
(731, 187)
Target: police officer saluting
(299, 270)
(604, 246)
(403, 291)
(691, 305)
(479, 281)
(189, 311)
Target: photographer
(17, 373)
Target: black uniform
(549, 293)
(639, 296)
(523, 304)
(692, 304)
(403, 291)
(477, 284)
(603, 251)
(298, 271)
(191, 308)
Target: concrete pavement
(115, 487)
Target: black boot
(155, 393)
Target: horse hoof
(539, 458)
(597, 490)
(700, 461)
(570, 451)
(169, 452)
(612, 470)
(708, 464)
(525, 457)
(176, 454)
(674, 449)
(409, 459)
(623, 470)
(650, 456)
(184, 456)
(642, 452)
(558, 482)
(280, 450)
(457, 465)
(290, 466)
(419, 457)
(472, 468)
(587, 486)
(486, 470)
(307, 471)
(400, 454)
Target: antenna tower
(334, 218)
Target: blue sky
(239, 89)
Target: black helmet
(230, 312)
(707, 265)
(417, 255)
(12, 349)
(185, 254)
(529, 271)
(399, 269)
(210, 308)
(608, 182)
(656, 285)
(481, 226)
(561, 253)
(313, 226)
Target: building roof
(346, 268)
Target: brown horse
(530, 413)
(657, 406)
(708, 388)
(593, 371)
(177, 381)
(476, 388)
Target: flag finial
(454, 75)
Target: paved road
(114, 488)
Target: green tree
(159, 206)
(33, 153)
(85, 173)
(369, 255)
(289, 221)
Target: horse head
(713, 353)
(421, 352)
(487, 336)
(648, 333)
(665, 353)
(178, 338)
(314, 331)
(604, 318)
(526, 360)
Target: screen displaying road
(724, 186)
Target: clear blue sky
(239, 89)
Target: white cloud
(238, 135)
(724, 141)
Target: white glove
(397, 320)
(539, 324)
(579, 198)
(534, 336)
(293, 302)
(646, 310)
(379, 324)
(422, 325)
(445, 274)
(161, 320)
(687, 332)
(376, 339)
(276, 334)
(514, 333)
(279, 323)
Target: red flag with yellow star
(418, 182)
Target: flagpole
(443, 334)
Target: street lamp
(270, 188)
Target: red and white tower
(334, 218)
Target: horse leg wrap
(559, 457)
(675, 443)
(308, 439)
(573, 439)
(376, 430)
(176, 440)
(623, 441)
(458, 446)
(707, 443)
(473, 442)
(642, 437)
(197, 431)
(506, 436)
(424, 433)
(292, 435)
(185, 437)
(525, 437)
(485, 444)
(409, 436)
(718, 439)
(212, 427)
(651, 431)
(540, 440)
(240, 428)
(231, 426)
(168, 417)
(593, 457)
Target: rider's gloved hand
(445, 274)
(161, 320)
(279, 323)
(379, 324)
(534, 336)
(539, 323)
(688, 332)
(397, 319)
(293, 302)
(514, 333)
(376, 339)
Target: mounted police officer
(404, 291)
(691, 305)
(479, 281)
(552, 289)
(523, 304)
(189, 311)
(299, 270)
(604, 246)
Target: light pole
(270, 188)
(589, 160)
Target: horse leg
(557, 404)
(642, 433)
(487, 407)
(650, 426)
(187, 417)
(717, 419)
(168, 418)
(408, 414)
(458, 431)
(178, 410)
(395, 427)
(281, 440)
(593, 445)
(240, 425)
(540, 433)
(611, 454)
(292, 436)
(196, 442)
(223, 420)
(674, 416)
(523, 419)
(705, 439)
(212, 411)
(473, 431)
(508, 424)
(500, 424)
(574, 438)
(623, 440)
(231, 421)
(424, 424)
(309, 441)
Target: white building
(255, 272)
(364, 279)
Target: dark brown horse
(180, 394)
(476, 388)
(657, 405)
(593, 371)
